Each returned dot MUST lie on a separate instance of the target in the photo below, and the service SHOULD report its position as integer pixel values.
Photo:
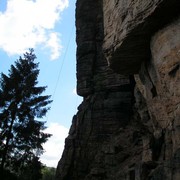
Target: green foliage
(48, 173)
(31, 171)
(21, 106)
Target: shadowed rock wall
(127, 127)
(108, 99)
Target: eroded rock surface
(128, 27)
(128, 126)
(160, 81)
(107, 104)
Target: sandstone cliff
(128, 71)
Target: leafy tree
(32, 170)
(48, 173)
(21, 107)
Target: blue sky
(48, 26)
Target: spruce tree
(22, 104)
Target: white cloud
(28, 23)
(55, 145)
(55, 45)
(75, 91)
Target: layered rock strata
(127, 127)
(108, 98)
(128, 28)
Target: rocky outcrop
(127, 126)
(128, 27)
(160, 81)
(107, 104)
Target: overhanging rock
(128, 27)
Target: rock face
(128, 28)
(160, 81)
(128, 125)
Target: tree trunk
(5, 151)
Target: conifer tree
(22, 104)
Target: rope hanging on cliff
(64, 57)
(60, 69)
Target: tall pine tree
(22, 104)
